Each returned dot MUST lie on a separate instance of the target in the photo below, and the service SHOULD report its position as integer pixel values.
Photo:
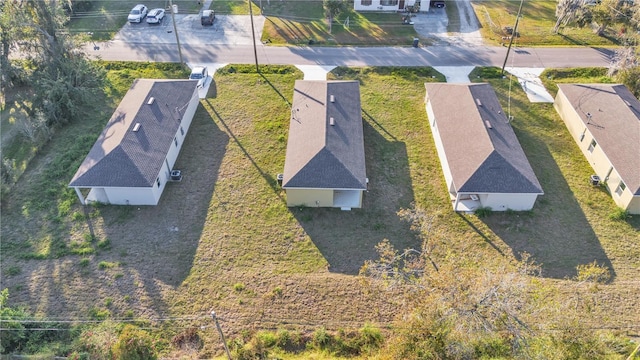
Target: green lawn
(224, 239)
(535, 25)
(297, 22)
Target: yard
(223, 239)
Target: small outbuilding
(604, 120)
(325, 161)
(133, 158)
(483, 163)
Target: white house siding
(133, 196)
(596, 157)
(440, 149)
(503, 202)
(376, 5)
(309, 197)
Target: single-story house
(483, 163)
(389, 5)
(325, 162)
(604, 120)
(133, 158)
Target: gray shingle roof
(321, 155)
(482, 151)
(124, 158)
(614, 123)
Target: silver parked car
(199, 73)
(137, 13)
(155, 16)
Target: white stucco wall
(433, 123)
(504, 202)
(375, 6)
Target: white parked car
(137, 13)
(155, 16)
(199, 73)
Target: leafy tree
(603, 13)
(625, 68)
(566, 12)
(333, 8)
(134, 344)
(63, 80)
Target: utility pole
(175, 29)
(253, 35)
(224, 342)
(513, 34)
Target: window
(158, 181)
(175, 140)
(388, 2)
(592, 145)
(365, 2)
(620, 188)
(181, 130)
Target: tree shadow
(347, 239)
(157, 244)
(271, 181)
(556, 233)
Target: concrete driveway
(433, 25)
(226, 30)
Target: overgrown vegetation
(262, 265)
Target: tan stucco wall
(309, 197)
(596, 158)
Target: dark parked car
(207, 17)
(437, 4)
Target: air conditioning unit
(176, 175)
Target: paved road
(229, 41)
(355, 56)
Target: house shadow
(157, 244)
(556, 233)
(347, 239)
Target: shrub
(12, 271)
(104, 244)
(98, 340)
(238, 287)
(134, 344)
(619, 214)
(483, 212)
(593, 273)
(189, 339)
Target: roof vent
(151, 100)
(136, 127)
(478, 102)
(331, 121)
(486, 122)
(332, 98)
(628, 103)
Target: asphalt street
(354, 56)
(229, 41)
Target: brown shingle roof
(321, 155)
(481, 149)
(614, 124)
(124, 158)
